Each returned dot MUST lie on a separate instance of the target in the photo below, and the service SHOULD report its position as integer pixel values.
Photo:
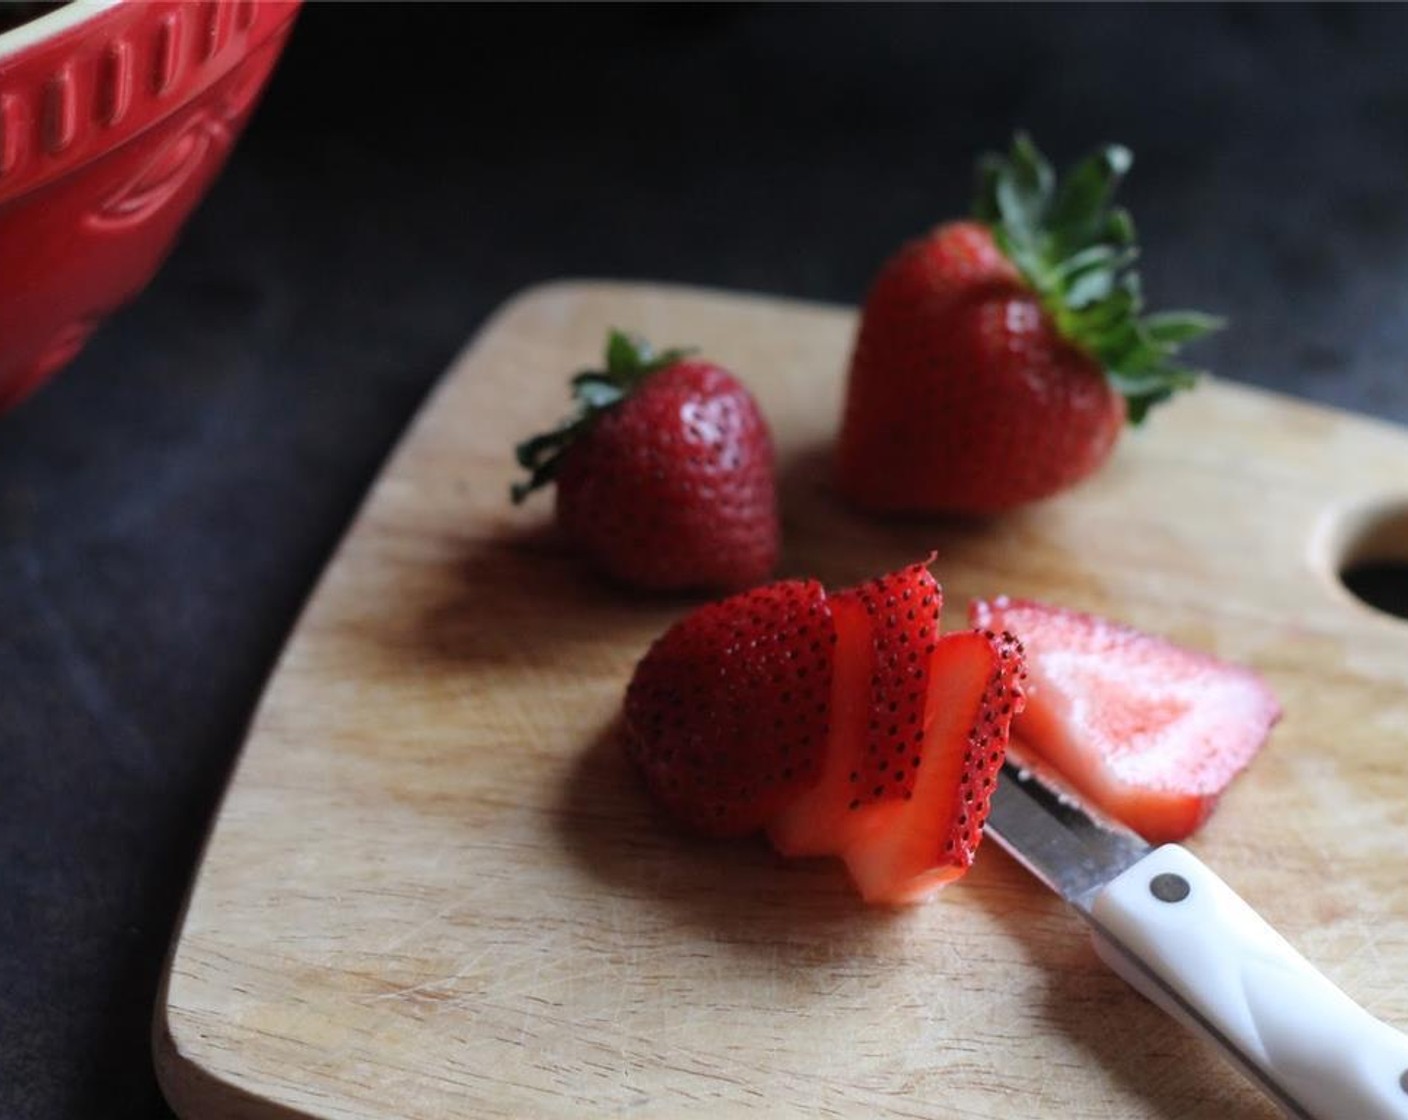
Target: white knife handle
(1211, 961)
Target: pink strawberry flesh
(727, 714)
(1149, 732)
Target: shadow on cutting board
(528, 596)
(734, 893)
(826, 538)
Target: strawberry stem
(629, 361)
(1077, 251)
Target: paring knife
(1182, 937)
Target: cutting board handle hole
(1371, 555)
(1380, 583)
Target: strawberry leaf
(626, 354)
(629, 361)
(1086, 194)
(1181, 326)
(1077, 252)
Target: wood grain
(434, 888)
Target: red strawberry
(904, 610)
(818, 821)
(931, 837)
(726, 715)
(1147, 731)
(842, 724)
(886, 634)
(997, 359)
(665, 474)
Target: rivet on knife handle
(1181, 936)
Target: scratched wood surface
(434, 889)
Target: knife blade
(1056, 838)
(1171, 928)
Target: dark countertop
(167, 503)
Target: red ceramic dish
(115, 117)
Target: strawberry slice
(903, 608)
(1148, 732)
(842, 725)
(930, 838)
(727, 714)
(886, 630)
(818, 822)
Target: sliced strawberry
(819, 821)
(886, 630)
(929, 838)
(904, 624)
(727, 714)
(1147, 731)
(842, 725)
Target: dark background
(166, 504)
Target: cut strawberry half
(930, 838)
(1148, 732)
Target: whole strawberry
(665, 473)
(998, 358)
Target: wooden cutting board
(434, 889)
